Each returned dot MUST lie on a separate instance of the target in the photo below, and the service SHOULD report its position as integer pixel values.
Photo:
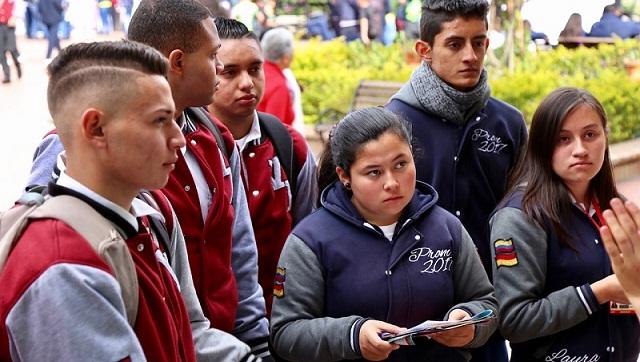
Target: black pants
(8, 44)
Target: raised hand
(621, 237)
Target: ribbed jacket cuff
(260, 348)
(250, 358)
(588, 299)
(355, 335)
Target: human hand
(621, 237)
(371, 346)
(456, 337)
(609, 289)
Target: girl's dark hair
(351, 133)
(573, 26)
(545, 197)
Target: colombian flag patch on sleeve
(505, 253)
(278, 283)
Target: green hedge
(330, 71)
(600, 70)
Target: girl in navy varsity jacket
(378, 255)
(552, 277)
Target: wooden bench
(588, 41)
(369, 93)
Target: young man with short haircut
(469, 141)
(60, 300)
(205, 188)
(276, 201)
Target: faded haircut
(69, 69)
(169, 24)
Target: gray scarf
(441, 99)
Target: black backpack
(273, 128)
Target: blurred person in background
(285, 37)
(245, 11)
(51, 12)
(125, 10)
(574, 26)
(348, 15)
(8, 40)
(106, 18)
(265, 17)
(318, 24)
(611, 24)
(277, 46)
(30, 13)
(372, 19)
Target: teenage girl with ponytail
(377, 256)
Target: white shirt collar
(138, 207)
(581, 206)
(253, 135)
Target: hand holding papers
(429, 327)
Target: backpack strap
(97, 230)
(164, 230)
(203, 118)
(279, 135)
(14, 220)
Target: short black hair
(169, 24)
(123, 54)
(612, 8)
(437, 12)
(233, 29)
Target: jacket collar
(337, 200)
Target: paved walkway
(24, 119)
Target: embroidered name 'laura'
(562, 356)
(488, 143)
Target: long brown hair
(573, 26)
(545, 197)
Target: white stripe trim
(351, 339)
(263, 345)
(369, 226)
(264, 354)
(584, 301)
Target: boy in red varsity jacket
(205, 188)
(60, 300)
(275, 204)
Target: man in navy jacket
(468, 141)
(611, 24)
